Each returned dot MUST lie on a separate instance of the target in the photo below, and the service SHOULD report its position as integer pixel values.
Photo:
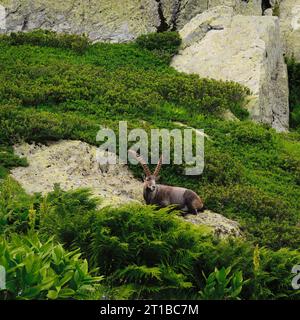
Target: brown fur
(163, 196)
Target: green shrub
(274, 234)
(14, 207)
(221, 168)
(47, 38)
(249, 200)
(9, 160)
(276, 9)
(249, 134)
(268, 220)
(36, 270)
(165, 44)
(294, 86)
(17, 125)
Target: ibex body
(161, 195)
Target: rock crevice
(163, 26)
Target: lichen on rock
(106, 20)
(289, 14)
(221, 45)
(221, 226)
(72, 165)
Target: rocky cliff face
(105, 20)
(289, 14)
(247, 49)
(111, 20)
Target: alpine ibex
(161, 195)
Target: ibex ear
(143, 177)
(157, 178)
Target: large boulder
(246, 49)
(179, 12)
(111, 20)
(73, 165)
(105, 20)
(221, 226)
(289, 13)
(248, 7)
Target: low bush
(268, 220)
(250, 200)
(123, 92)
(249, 134)
(294, 86)
(17, 125)
(14, 207)
(164, 44)
(48, 39)
(9, 160)
(221, 168)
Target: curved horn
(141, 160)
(158, 167)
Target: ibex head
(150, 179)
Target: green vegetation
(49, 90)
(48, 39)
(276, 9)
(36, 270)
(141, 253)
(221, 285)
(294, 85)
(164, 44)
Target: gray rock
(221, 226)
(290, 27)
(246, 49)
(105, 20)
(179, 12)
(73, 164)
(112, 20)
(268, 12)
